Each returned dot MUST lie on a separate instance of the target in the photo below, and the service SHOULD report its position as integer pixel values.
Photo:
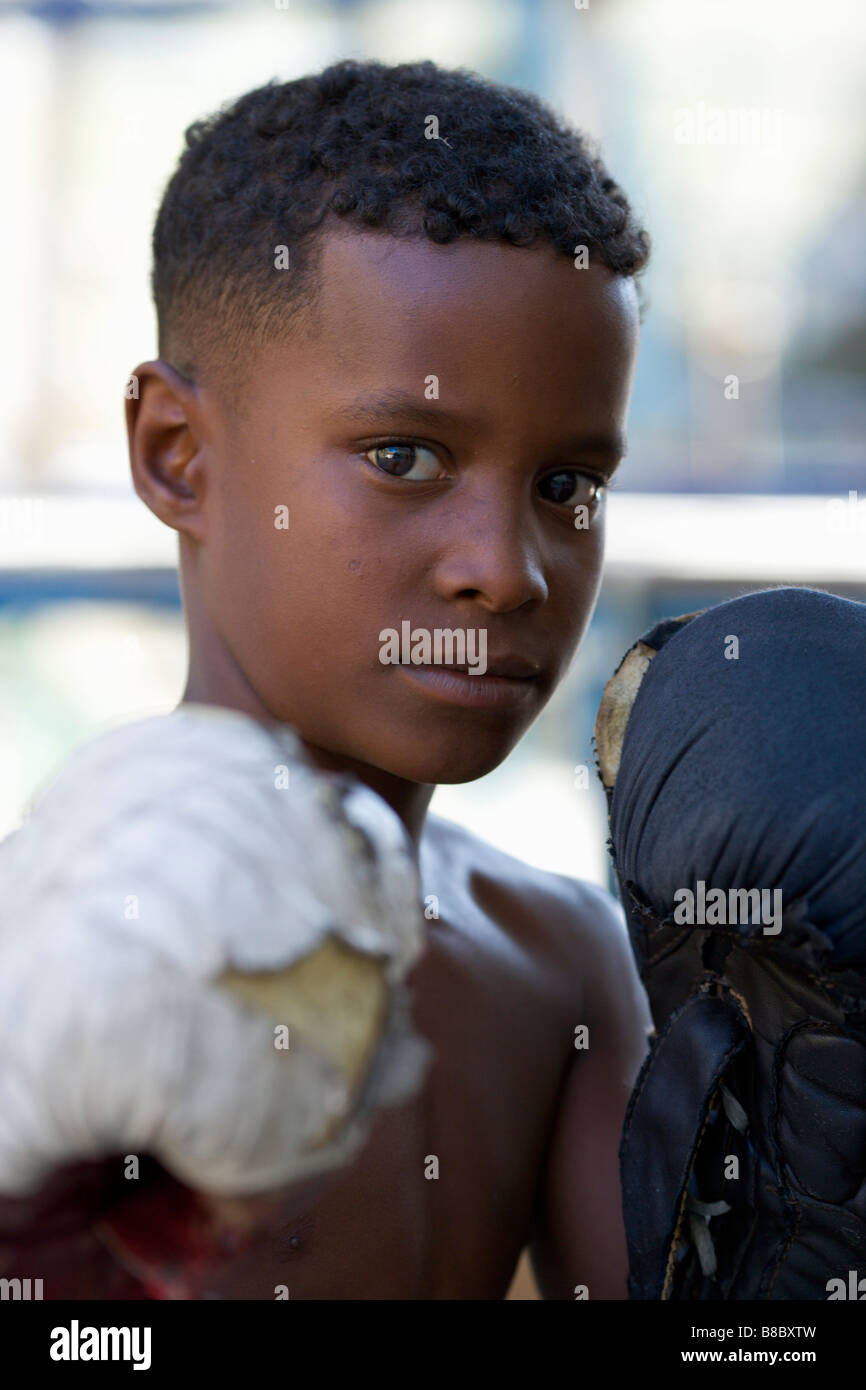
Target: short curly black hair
(353, 143)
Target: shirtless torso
(497, 997)
(499, 993)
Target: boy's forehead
(491, 322)
(372, 274)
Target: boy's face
(507, 359)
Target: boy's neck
(409, 800)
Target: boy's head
(376, 324)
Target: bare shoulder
(575, 924)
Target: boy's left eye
(400, 461)
(570, 485)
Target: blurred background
(734, 127)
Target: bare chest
(438, 1203)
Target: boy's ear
(165, 446)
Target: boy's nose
(492, 556)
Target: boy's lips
(497, 688)
(509, 664)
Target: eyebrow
(404, 405)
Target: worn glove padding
(168, 904)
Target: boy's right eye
(399, 458)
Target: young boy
(375, 311)
(397, 332)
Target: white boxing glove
(203, 948)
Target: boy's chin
(441, 761)
(449, 764)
